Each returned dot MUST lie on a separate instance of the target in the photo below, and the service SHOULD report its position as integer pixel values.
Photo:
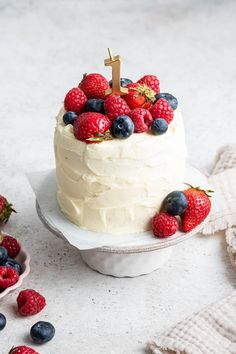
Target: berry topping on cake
(162, 109)
(122, 127)
(115, 106)
(139, 96)
(92, 127)
(175, 203)
(199, 206)
(151, 81)
(159, 126)
(8, 277)
(3, 254)
(164, 225)
(3, 321)
(141, 118)
(5, 209)
(69, 117)
(173, 102)
(42, 332)
(94, 85)
(23, 349)
(11, 244)
(75, 100)
(12, 263)
(123, 82)
(94, 105)
(30, 302)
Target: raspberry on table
(30, 302)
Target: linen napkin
(213, 329)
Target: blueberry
(122, 127)
(168, 97)
(69, 117)
(3, 321)
(3, 254)
(123, 82)
(175, 203)
(42, 332)
(94, 105)
(12, 263)
(159, 126)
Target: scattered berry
(22, 350)
(141, 118)
(123, 82)
(12, 263)
(8, 277)
(199, 206)
(162, 109)
(3, 321)
(122, 127)
(175, 203)
(139, 96)
(69, 117)
(42, 332)
(115, 106)
(11, 244)
(173, 102)
(94, 105)
(94, 85)
(5, 209)
(75, 100)
(30, 302)
(3, 254)
(151, 81)
(164, 225)
(159, 126)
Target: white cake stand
(116, 255)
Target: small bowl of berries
(14, 264)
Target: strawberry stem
(206, 191)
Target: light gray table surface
(45, 47)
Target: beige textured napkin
(213, 329)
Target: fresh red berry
(139, 96)
(30, 302)
(164, 225)
(199, 206)
(75, 100)
(22, 350)
(162, 109)
(94, 85)
(5, 209)
(92, 127)
(115, 106)
(11, 244)
(141, 118)
(8, 277)
(151, 81)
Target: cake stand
(117, 255)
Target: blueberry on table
(123, 82)
(94, 105)
(3, 254)
(159, 126)
(168, 97)
(69, 117)
(122, 127)
(13, 264)
(3, 321)
(175, 203)
(42, 332)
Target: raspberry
(8, 277)
(22, 350)
(164, 225)
(30, 302)
(141, 118)
(94, 85)
(162, 109)
(115, 106)
(75, 100)
(151, 81)
(11, 244)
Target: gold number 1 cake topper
(114, 62)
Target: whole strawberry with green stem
(198, 207)
(5, 209)
(139, 96)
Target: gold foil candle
(114, 62)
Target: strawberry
(164, 225)
(151, 81)
(94, 85)
(162, 109)
(30, 302)
(8, 277)
(141, 118)
(22, 350)
(75, 100)
(139, 95)
(199, 206)
(11, 244)
(115, 106)
(92, 127)
(5, 209)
